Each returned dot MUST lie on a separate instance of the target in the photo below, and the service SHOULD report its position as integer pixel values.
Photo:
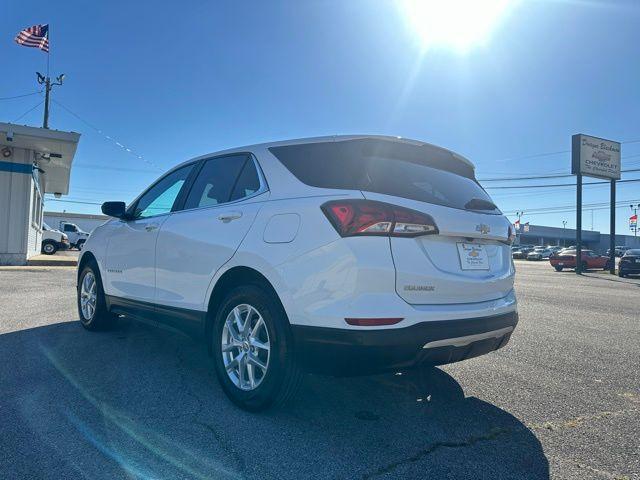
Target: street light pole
(564, 229)
(48, 85)
(634, 209)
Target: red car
(590, 260)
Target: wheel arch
(235, 277)
(86, 258)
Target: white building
(33, 161)
(84, 221)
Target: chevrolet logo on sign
(483, 229)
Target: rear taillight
(367, 217)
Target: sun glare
(458, 24)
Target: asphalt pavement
(561, 401)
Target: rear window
(424, 173)
(633, 252)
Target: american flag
(36, 36)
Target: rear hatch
(434, 269)
(466, 259)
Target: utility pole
(48, 85)
(564, 229)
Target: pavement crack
(240, 462)
(469, 442)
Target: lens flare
(457, 24)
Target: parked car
(342, 255)
(77, 237)
(521, 253)
(517, 253)
(539, 253)
(629, 263)
(53, 240)
(590, 260)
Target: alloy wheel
(88, 296)
(245, 347)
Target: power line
(554, 185)
(550, 154)
(21, 96)
(28, 111)
(109, 138)
(572, 208)
(71, 201)
(563, 175)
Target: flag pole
(49, 49)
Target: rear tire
(240, 366)
(584, 267)
(80, 244)
(620, 274)
(558, 269)
(49, 247)
(92, 307)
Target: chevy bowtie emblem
(483, 229)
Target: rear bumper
(352, 352)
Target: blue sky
(174, 80)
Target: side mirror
(115, 209)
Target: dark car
(521, 252)
(629, 263)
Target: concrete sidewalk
(59, 259)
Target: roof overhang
(54, 152)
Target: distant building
(599, 242)
(84, 221)
(33, 161)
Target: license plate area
(472, 256)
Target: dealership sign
(633, 222)
(595, 157)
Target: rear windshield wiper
(480, 204)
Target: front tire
(253, 350)
(80, 244)
(49, 247)
(92, 307)
(558, 269)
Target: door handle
(151, 227)
(227, 217)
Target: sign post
(599, 158)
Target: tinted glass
(634, 252)
(247, 183)
(424, 173)
(218, 179)
(69, 228)
(160, 198)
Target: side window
(69, 228)
(221, 180)
(160, 198)
(247, 183)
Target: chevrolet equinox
(342, 255)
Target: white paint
(320, 277)
(282, 228)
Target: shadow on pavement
(137, 402)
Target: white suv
(343, 255)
